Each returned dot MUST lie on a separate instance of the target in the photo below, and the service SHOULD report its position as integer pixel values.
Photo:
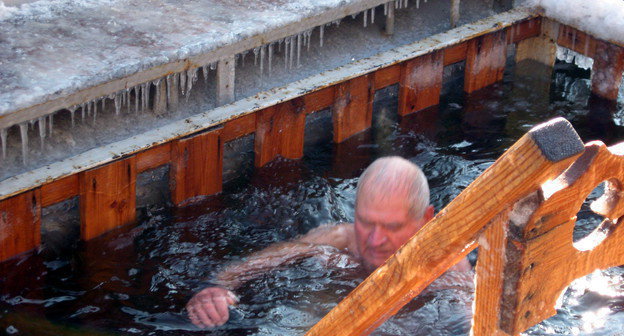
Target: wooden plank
(386, 76)
(421, 83)
(107, 197)
(541, 49)
(280, 131)
(59, 190)
(319, 100)
(542, 247)
(576, 40)
(153, 157)
(607, 70)
(455, 53)
(20, 224)
(196, 166)
(485, 61)
(537, 157)
(238, 127)
(525, 29)
(352, 110)
(226, 72)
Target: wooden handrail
(539, 156)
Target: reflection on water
(137, 280)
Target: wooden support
(319, 100)
(542, 248)
(107, 197)
(607, 70)
(20, 224)
(153, 157)
(386, 76)
(59, 190)
(225, 81)
(238, 127)
(541, 49)
(455, 53)
(280, 131)
(353, 108)
(421, 83)
(485, 61)
(576, 40)
(160, 98)
(196, 166)
(537, 157)
(525, 29)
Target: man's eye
(394, 226)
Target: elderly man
(392, 204)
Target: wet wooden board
(107, 197)
(456, 53)
(386, 76)
(59, 190)
(525, 29)
(196, 166)
(485, 61)
(319, 100)
(607, 70)
(280, 131)
(421, 83)
(353, 108)
(576, 40)
(238, 127)
(20, 223)
(153, 157)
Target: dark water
(137, 280)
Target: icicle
(145, 96)
(353, 16)
(191, 77)
(372, 15)
(386, 8)
(169, 89)
(365, 18)
(136, 98)
(51, 124)
(322, 31)
(88, 109)
(299, 37)
(243, 54)
(279, 45)
(262, 52)
(3, 137)
(397, 4)
(117, 102)
(82, 110)
(24, 134)
(255, 52)
(183, 82)
(309, 37)
(292, 50)
(286, 49)
(205, 72)
(94, 111)
(417, 4)
(213, 66)
(586, 45)
(103, 104)
(42, 130)
(270, 57)
(72, 110)
(126, 98)
(406, 4)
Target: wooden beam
(238, 127)
(196, 166)
(386, 76)
(576, 40)
(280, 131)
(455, 53)
(353, 108)
(153, 157)
(537, 157)
(226, 69)
(20, 224)
(421, 83)
(525, 29)
(107, 197)
(59, 190)
(607, 70)
(319, 100)
(485, 61)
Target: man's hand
(209, 307)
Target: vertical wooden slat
(20, 224)
(238, 127)
(485, 61)
(421, 82)
(59, 190)
(280, 131)
(386, 76)
(319, 100)
(107, 197)
(196, 166)
(153, 157)
(352, 110)
(607, 70)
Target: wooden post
(353, 108)
(225, 81)
(607, 70)
(20, 224)
(196, 166)
(454, 13)
(280, 131)
(421, 83)
(537, 157)
(107, 197)
(485, 61)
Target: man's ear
(429, 212)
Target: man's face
(382, 226)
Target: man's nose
(377, 237)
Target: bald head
(394, 175)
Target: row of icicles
(136, 99)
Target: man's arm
(209, 307)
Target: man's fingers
(221, 306)
(192, 314)
(210, 310)
(203, 316)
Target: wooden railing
(521, 212)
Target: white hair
(393, 174)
